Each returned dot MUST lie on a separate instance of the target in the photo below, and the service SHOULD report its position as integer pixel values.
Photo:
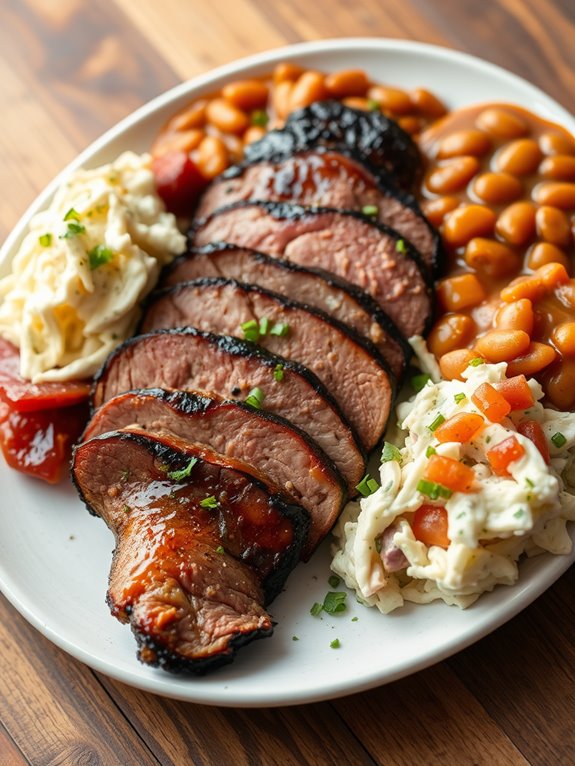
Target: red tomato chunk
(429, 525)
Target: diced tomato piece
(459, 428)
(516, 392)
(39, 443)
(491, 403)
(503, 454)
(24, 396)
(429, 525)
(533, 431)
(449, 473)
(179, 181)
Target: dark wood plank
(53, 706)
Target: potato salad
(81, 271)
(481, 475)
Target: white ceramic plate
(54, 557)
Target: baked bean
(544, 252)
(491, 257)
(537, 357)
(501, 123)
(520, 157)
(551, 275)
(497, 188)
(309, 88)
(246, 94)
(559, 385)
(347, 82)
(450, 332)
(426, 103)
(452, 175)
(502, 345)
(391, 99)
(469, 142)
(193, 117)
(566, 293)
(453, 363)
(460, 292)
(286, 72)
(411, 125)
(517, 315)
(523, 287)
(516, 224)
(557, 193)
(281, 98)
(553, 226)
(212, 156)
(181, 141)
(225, 117)
(435, 210)
(254, 133)
(355, 102)
(467, 222)
(563, 337)
(556, 143)
(560, 167)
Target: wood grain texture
(68, 71)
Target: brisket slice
(374, 136)
(367, 254)
(198, 361)
(314, 287)
(337, 179)
(349, 366)
(191, 580)
(284, 453)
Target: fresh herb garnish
(316, 609)
(335, 644)
(400, 246)
(529, 482)
(459, 397)
(295, 638)
(367, 486)
(280, 329)
(476, 362)
(255, 398)
(99, 255)
(279, 372)
(334, 602)
(390, 452)
(264, 325)
(73, 230)
(183, 473)
(558, 440)
(430, 451)
(354, 619)
(519, 513)
(370, 210)
(260, 118)
(432, 490)
(209, 502)
(45, 240)
(372, 105)
(334, 580)
(126, 508)
(251, 330)
(419, 381)
(72, 215)
(220, 549)
(434, 425)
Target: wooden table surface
(69, 69)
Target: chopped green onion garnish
(558, 439)
(400, 246)
(529, 482)
(430, 451)
(334, 602)
(184, 472)
(126, 508)
(390, 452)
(354, 619)
(367, 486)
(251, 330)
(459, 397)
(45, 240)
(335, 644)
(260, 117)
(334, 580)
(73, 230)
(373, 105)
(519, 513)
(264, 325)
(295, 638)
(433, 490)
(255, 398)
(370, 210)
(99, 255)
(476, 362)
(436, 423)
(316, 609)
(220, 549)
(209, 502)
(72, 215)
(279, 372)
(419, 381)
(281, 329)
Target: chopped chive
(400, 246)
(558, 439)
(255, 398)
(183, 473)
(334, 580)
(430, 451)
(432, 490)
(434, 425)
(390, 452)
(335, 644)
(280, 329)
(72, 215)
(529, 482)
(260, 118)
(354, 619)
(334, 602)
(419, 381)
(264, 325)
(519, 513)
(209, 502)
(459, 397)
(279, 372)
(220, 549)
(476, 362)
(73, 230)
(251, 330)
(373, 105)
(370, 210)
(45, 240)
(99, 255)
(295, 638)
(367, 486)
(316, 609)
(126, 508)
